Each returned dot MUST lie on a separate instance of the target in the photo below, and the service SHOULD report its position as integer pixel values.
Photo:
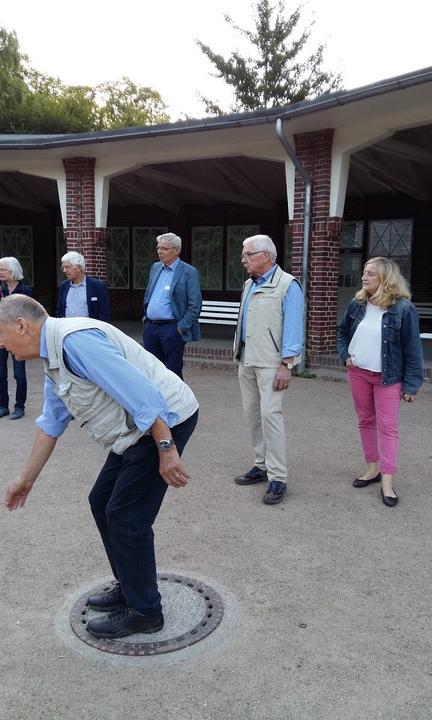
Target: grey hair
(75, 258)
(14, 267)
(171, 238)
(263, 242)
(17, 306)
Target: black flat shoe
(389, 500)
(362, 483)
(123, 622)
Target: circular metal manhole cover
(192, 610)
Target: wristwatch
(288, 364)
(165, 445)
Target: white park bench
(219, 312)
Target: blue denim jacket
(401, 350)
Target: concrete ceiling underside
(398, 165)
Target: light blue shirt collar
(172, 266)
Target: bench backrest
(219, 312)
(424, 310)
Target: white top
(365, 345)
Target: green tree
(124, 104)
(53, 107)
(13, 89)
(279, 70)
(33, 102)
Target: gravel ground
(327, 596)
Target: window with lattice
(207, 255)
(392, 239)
(235, 273)
(351, 254)
(144, 253)
(117, 244)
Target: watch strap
(288, 364)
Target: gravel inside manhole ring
(192, 610)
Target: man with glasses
(267, 343)
(172, 304)
(81, 295)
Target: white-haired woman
(11, 275)
(379, 342)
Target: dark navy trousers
(125, 501)
(20, 378)
(164, 341)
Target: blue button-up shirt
(76, 300)
(91, 355)
(159, 306)
(292, 335)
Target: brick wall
(314, 152)
(80, 232)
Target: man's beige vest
(264, 322)
(96, 412)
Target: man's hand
(282, 378)
(16, 494)
(171, 469)
(348, 363)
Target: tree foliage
(280, 69)
(124, 104)
(12, 85)
(33, 102)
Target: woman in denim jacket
(379, 342)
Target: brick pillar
(314, 151)
(80, 233)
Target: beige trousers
(262, 407)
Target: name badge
(93, 299)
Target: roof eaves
(257, 117)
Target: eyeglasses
(249, 254)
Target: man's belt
(160, 322)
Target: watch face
(165, 444)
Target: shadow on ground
(327, 595)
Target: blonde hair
(392, 283)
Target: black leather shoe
(275, 492)
(111, 598)
(389, 500)
(3, 412)
(254, 475)
(362, 483)
(123, 622)
(16, 414)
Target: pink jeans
(377, 407)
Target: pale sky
(91, 41)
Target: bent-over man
(172, 304)
(267, 343)
(140, 412)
